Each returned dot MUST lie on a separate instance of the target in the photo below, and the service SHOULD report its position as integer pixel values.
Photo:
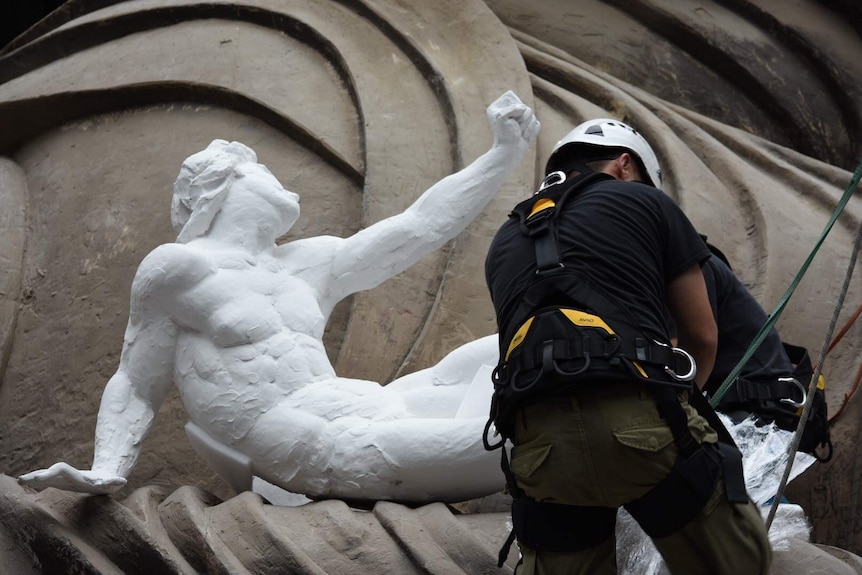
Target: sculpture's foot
(277, 495)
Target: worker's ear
(627, 169)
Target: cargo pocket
(645, 456)
(525, 462)
(649, 438)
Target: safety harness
(558, 331)
(781, 401)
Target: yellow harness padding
(519, 336)
(575, 316)
(586, 319)
(542, 204)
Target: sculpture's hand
(64, 476)
(512, 121)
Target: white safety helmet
(608, 133)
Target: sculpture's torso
(250, 336)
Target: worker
(772, 384)
(601, 410)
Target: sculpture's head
(202, 186)
(206, 179)
(604, 139)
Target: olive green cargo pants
(607, 446)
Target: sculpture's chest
(238, 306)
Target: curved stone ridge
(192, 531)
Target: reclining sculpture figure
(236, 322)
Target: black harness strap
(516, 493)
(749, 390)
(670, 505)
(734, 478)
(669, 408)
(596, 346)
(539, 222)
(540, 227)
(507, 546)
(555, 527)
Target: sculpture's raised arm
(390, 246)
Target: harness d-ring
(679, 351)
(514, 381)
(564, 373)
(691, 372)
(800, 387)
(487, 444)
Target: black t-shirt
(627, 239)
(739, 318)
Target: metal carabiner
(552, 179)
(799, 386)
(678, 350)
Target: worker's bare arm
(689, 307)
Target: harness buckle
(548, 270)
(800, 387)
(539, 222)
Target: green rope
(770, 322)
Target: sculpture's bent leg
(458, 386)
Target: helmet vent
(595, 130)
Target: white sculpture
(236, 322)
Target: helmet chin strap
(620, 167)
(579, 168)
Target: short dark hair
(575, 156)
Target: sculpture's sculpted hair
(202, 185)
